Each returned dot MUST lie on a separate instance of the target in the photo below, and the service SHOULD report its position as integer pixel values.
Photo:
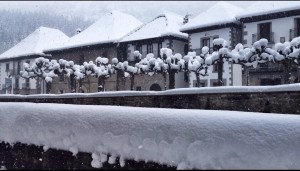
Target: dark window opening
(265, 31)
(139, 48)
(159, 47)
(138, 88)
(7, 67)
(19, 67)
(206, 42)
(150, 48)
(81, 59)
(17, 83)
(155, 87)
(267, 81)
(297, 27)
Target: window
(202, 83)
(159, 47)
(18, 68)
(205, 42)
(264, 30)
(138, 88)
(17, 83)
(81, 59)
(139, 48)
(150, 48)
(297, 25)
(104, 54)
(267, 81)
(215, 84)
(215, 67)
(7, 67)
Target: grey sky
(143, 10)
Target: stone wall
(30, 157)
(268, 102)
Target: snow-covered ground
(201, 139)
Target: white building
(219, 21)
(277, 21)
(161, 32)
(30, 48)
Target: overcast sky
(143, 10)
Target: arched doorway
(155, 87)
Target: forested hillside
(16, 25)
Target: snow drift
(200, 139)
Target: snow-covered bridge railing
(179, 138)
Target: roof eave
(211, 27)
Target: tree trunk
(287, 71)
(171, 79)
(73, 83)
(48, 87)
(131, 82)
(198, 79)
(165, 80)
(101, 83)
(220, 71)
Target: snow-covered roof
(36, 42)
(220, 13)
(108, 29)
(268, 7)
(165, 24)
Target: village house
(160, 32)
(101, 39)
(26, 51)
(219, 21)
(277, 21)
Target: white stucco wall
(131, 49)
(178, 47)
(237, 75)
(281, 28)
(229, 70)
(196, 37)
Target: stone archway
(155, 87)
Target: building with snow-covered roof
(219, 21)
(100, 39)
(11, 61)
(160, 32)
(277, 21)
